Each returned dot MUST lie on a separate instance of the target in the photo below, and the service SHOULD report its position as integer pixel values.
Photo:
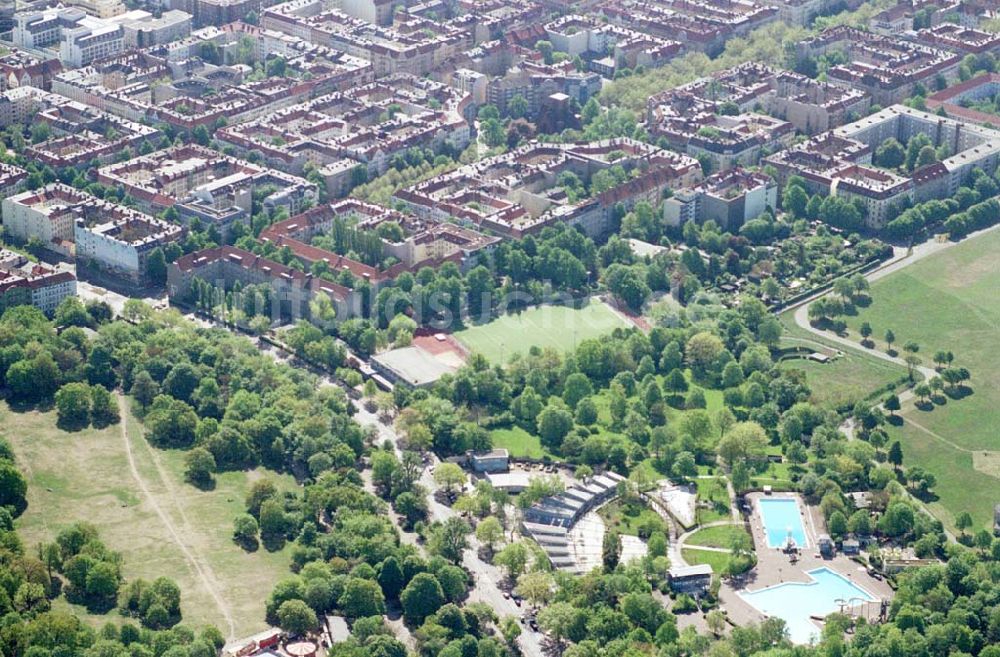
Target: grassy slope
(544, 326)
(713, 490)
(949, 301)
(85, 476)
(842, 381)
(720, 536)
(519, 443)
(717, 560)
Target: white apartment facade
(47, 214)
(122, 246)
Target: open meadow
(950, 301)
(559, 327)
(843, 381)
(143, 509)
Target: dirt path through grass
(204, 572)
(938, 436)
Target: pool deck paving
(775, 567)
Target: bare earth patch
(987, 462)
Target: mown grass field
(843, 381)
(720, 536)
(950, 301)
(558, 327)
(519, 443)
(86, 476)
(717, 560)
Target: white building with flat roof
(48, 215)
(92, 39)
(122, 246)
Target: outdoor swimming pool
(782, 518)
(795, 602)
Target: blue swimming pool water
(781, 517)
(795, 602)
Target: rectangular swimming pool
(782, 519)
(796, 602)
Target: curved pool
(797, 602)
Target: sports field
(88, 476)
(949, 301)
(559, 327)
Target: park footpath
(900, 260)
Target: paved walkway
(708, 548)
(487, 577)
(677, 547)
(802, 319)
(901, 259)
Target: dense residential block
(74, 224)
(698, 25)
(226, 266)
(888, 69)
(122, 243)
(730, 198)
(537, 185)
(839, 162)
(24, 282)
(365, 126)
(21, 68)
(192, 92)
(409, 244)
(955, 100)
(203, 184)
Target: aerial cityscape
(481, 328)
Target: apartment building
(888, 69)
(19, 68)
(201, 183)
(121, 245)
(23, 282)
(366, 126)
(840, 161)
(729, 198)
(291, 290)
(521, 192)
(47, 215)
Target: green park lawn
(843, 381)
(558, 327)
(720, 536)
(717, 560)
(777, 475)
(713, 490)
(949, 301)
(85, 476)
(519, 443)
